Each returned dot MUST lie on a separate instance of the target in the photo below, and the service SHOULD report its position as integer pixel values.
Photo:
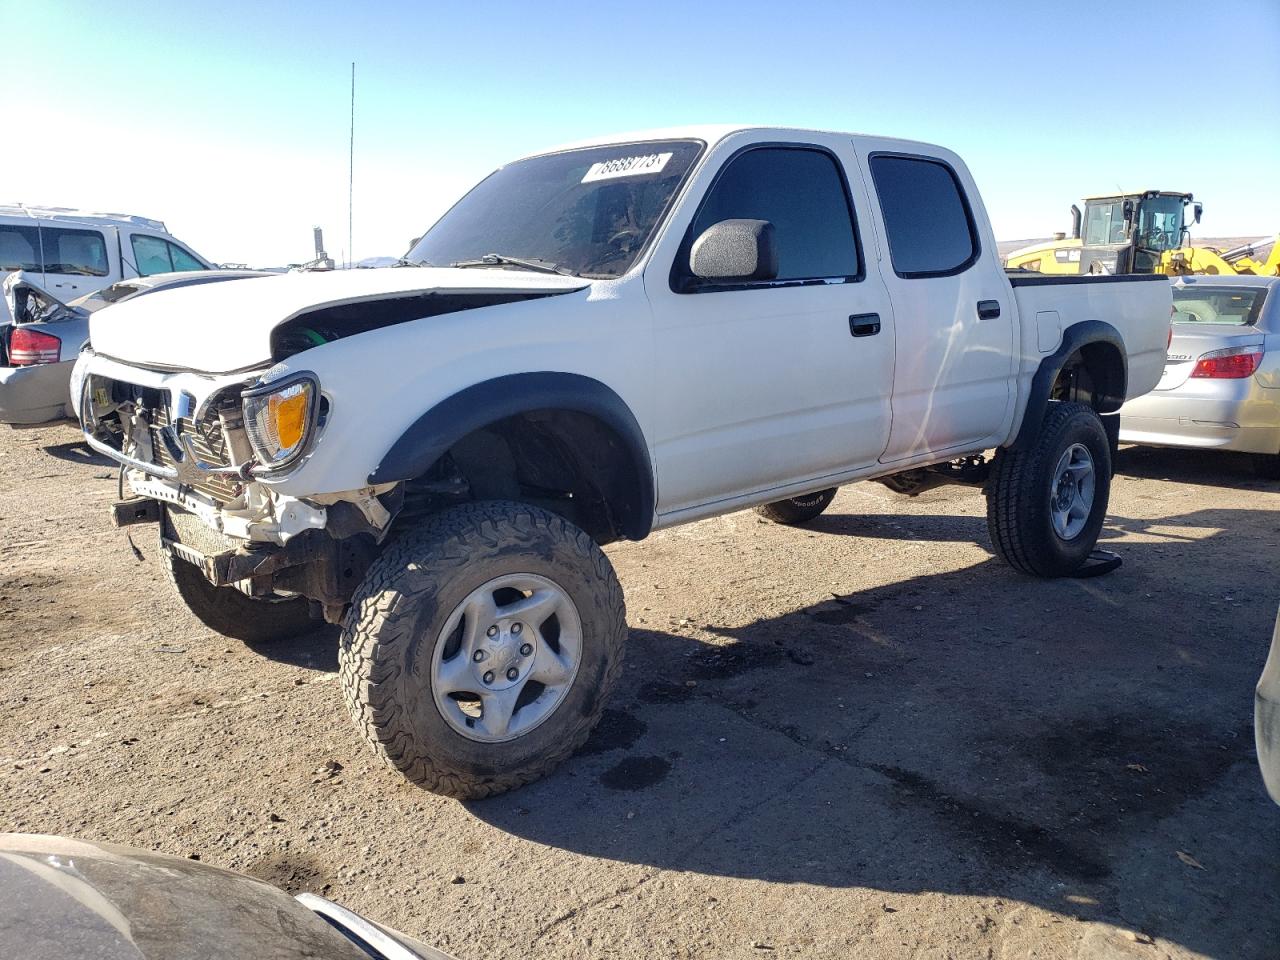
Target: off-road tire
(227, 611)
(1267, 465)
(397, 614)
(1020, 486)
(797, 510)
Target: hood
(71, 898)
(226, 327)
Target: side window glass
(19, 248)
(927, 220)
(801, 192)
(76, 252)
(150, 255)
(183, 260)
(1104, 223)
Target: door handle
(988, 309)
(864, 324)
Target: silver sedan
(1221, 383)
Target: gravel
(863, 738)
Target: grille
(209, 444)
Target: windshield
(586, 212)
(1160, 223)
(1239, 306)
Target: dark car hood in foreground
(62, 898)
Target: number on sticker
(626, 167)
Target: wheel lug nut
(526, 649)
(492, 631)
(513, 673)
(488, 676)
(478, 656)
(516, 628)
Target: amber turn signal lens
(289, 414)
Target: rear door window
(150, 255)
(926, 216)
(19, 247)
(81, 253)
(182, 260)
(801, 192)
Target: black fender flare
(1074, 338)
(482, 404)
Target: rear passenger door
(768, 383)
(75, 261)
(954, 331)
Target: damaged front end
(197, 454)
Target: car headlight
(280, 418)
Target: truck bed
(1136, 306)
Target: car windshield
(584, 212)
(1230, 305)
(1160, 223)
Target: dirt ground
(867, 738)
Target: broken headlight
(280, 418)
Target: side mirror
(1197, 209)
(735, 250)
(1128, 209)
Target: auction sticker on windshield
(626, 167)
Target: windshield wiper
(406, 262)
(498, 260)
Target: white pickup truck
(595, 343)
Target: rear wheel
(797, 509)
(1046, 503)
(226, 610)
(479, 650)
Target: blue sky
(229, 120)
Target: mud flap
(1100, 563)
(1111, 423)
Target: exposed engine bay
(189, 465)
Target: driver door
(766, 384)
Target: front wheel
(795, 510)
(1046, 503)
(479, 650)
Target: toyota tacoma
(597, 342)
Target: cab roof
(713, 133)
(1138, 193)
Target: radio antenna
(351, 161)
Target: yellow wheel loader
(1119, 234)
(1141, 233)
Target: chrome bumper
(188, 466)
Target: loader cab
(1127, 233)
